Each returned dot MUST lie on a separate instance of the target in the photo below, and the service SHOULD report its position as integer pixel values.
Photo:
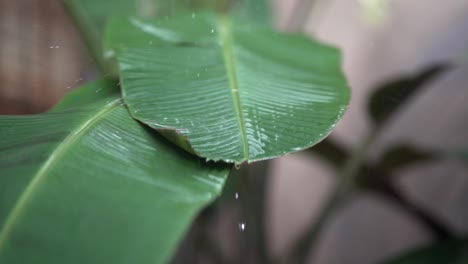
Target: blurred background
(42, 57)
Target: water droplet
(242, 226)
(212, 30)
(193, 15)
(198, 74)
(236, 195)
(68, 87)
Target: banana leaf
(86, 183)
(225, 89)
(91, 17)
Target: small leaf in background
(389, 96)
(236, 92)
(86, 183)
(446, 252)
(332, 152)
(463, 155)
(402, 155)
(460, 154)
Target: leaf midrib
(226, 39)
(60, 150)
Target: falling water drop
(236, 195)
(242, 226)
(212, 30)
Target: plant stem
(438, 230)
(344, 187)
(307, 241)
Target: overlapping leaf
(86, 183)
(233, 91)
(91, 16)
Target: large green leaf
(446, 252)
(234, 91)
(91, 16)
(86, 183)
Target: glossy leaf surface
(86, 183)
(446, 252)
(236, 92)
(91, 16)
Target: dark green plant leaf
(235, 92)
(447, 252)
(389, 96)
(459, 154)
(332, 152)
(403, 155)
(86, 183)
